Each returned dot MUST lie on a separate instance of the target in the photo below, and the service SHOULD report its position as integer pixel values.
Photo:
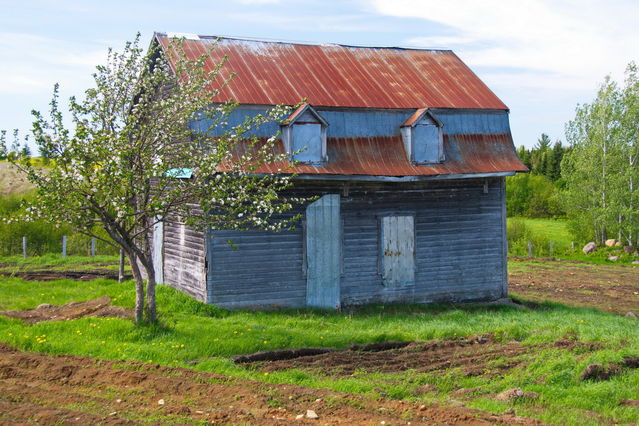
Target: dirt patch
(601, 372)
(612, 288)
(280, 355)
(51, 389)
(49, 275)
(476, 356)
(100, 307)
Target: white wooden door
(158, 258)
(398, 250)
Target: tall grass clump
(42, 237)
(519, 233)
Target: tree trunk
(139, 289)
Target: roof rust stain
(386, 156)
(270, 73)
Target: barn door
(158, 241)
(323, 252)
(398, 250)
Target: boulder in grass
(628, 249)
(613, 258)
(611, 242)
(589, 248)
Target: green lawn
(542, 231)
(191, 331)
(56, 262)
(555, 230)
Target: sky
(541, 57)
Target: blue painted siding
(459, 248)
(323, 252)
(346, 124)
(307, 139)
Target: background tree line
(536, 194)
(601, 174)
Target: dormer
(304, 135)
(423, 137)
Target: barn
(405, 150)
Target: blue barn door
(323, 252)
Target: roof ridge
(296, 42)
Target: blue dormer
(423, 137)
(304, 135)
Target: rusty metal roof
(386, 156)
(333, 75)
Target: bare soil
(62, 389)
(476, 356)
(100, 307)
(612, 288)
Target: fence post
(551, 247)
(121, 269)
(64, 246)
(24, 246)
(572, 245)
(530, 247)
(92, 246)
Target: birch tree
(114, 166)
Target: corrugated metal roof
(333, 75)
(386, 156)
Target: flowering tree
(133, 132)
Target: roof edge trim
(418, 178)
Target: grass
(556, 230)
(190, 331)
(58, 263)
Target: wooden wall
(459, 247)
(184, 259)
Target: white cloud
(259, 1)
(33, 64)
(565, 44)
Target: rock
(589, 248)
(613, 258)
(628, 249)
(630, 315)
(422, 407)
(510, 394)
(630, 402)
(44, 306)
(118, 400)
(611, 242)
(299, 417)
(161, 402)
(310, 414)
(635, 262)
(318, 400)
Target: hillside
(12, 181)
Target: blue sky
(541, 57)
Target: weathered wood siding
(351, 123)
(184, 259)
(459, 247)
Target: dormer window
(304, 135)
(423, 138)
